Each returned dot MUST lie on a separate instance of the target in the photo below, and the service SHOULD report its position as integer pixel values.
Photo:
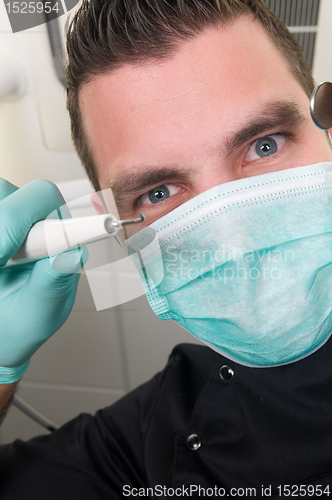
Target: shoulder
(173, 391)
(118, 443)
(188, 369)
(144, 424)
(171, 394)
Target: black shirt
(204, 423)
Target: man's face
(224, 107)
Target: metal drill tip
(120, 223)
(132, 221)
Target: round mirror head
(321, 105)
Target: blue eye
(265, 146)
(158, 194)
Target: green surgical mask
(246, 266)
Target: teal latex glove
(35, 300)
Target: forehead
(219, 78)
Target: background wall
(97, 356)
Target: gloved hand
(35, 300)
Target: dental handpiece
(51, 237)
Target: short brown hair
(104, 34)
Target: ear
(97, 204)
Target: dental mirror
(321, 105)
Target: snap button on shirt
(194, 442)
(226, 373)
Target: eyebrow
(277, 114)
(137, 180)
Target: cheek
(315, 148)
